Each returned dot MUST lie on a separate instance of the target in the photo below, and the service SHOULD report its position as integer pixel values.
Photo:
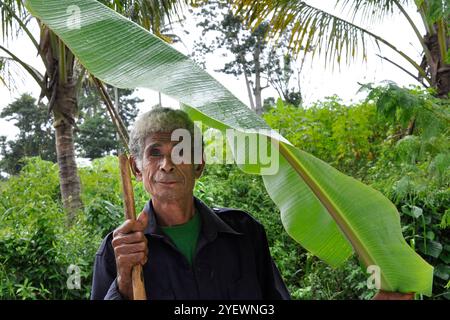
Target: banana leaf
(328, 213)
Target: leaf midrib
(331, 207)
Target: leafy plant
(31, 212)
(36, 245)
(412, 170)
(324, 210)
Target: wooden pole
(137, 275)
(115, 117)
(130, 213)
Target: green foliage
(347, 137)
(102, 195)
(306, 276)
(35, 138)
(371, 141)
(246, 52)
(318, 281)
(36, 246)
(409, 110)
(96, 135)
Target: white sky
(317, 82)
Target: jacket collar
(212, 224)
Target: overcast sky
(316, 81)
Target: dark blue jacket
(232, 261)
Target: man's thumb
(143, 219)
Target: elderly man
(187, 250)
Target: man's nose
(167, 164)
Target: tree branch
(33, 72)
(404, 70)
(416, 31)
(21, 24)
(295, 9)
(115, 117)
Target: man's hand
(130, 249)
(386, 295)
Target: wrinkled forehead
(161, 138)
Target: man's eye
(155, 153)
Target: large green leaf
(325, 211)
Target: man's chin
(168, 196)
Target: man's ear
(134, 168)
(198, 169)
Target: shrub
(305, 276)
(36, 246)
(412, 170)
(399, 148)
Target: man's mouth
(171, 182)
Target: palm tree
(338, 39)
(63, 75)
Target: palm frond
(14, 20)
(3, 81)
(150, 14)
(5, 74)
(372, 12)
(6, 63)
(9, 11)
(12, 76)
(316, 30)
(369, 11)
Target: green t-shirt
(185, 236)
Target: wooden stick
(130, 213)
(115, 117)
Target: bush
(400, 149)
(305, 276)
(367, 140)
(36, 246)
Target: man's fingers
(128, 261)
(133, 225)
(130, 244)
(142, 219)
(124, 228)
(126, 249)
(128, 238)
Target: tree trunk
(438, 69)
(257, 89)
(443, 81)
(411, 126)
(64, 111)
(247, 81)
(61, 93)
(249, 90)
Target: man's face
(163, 179)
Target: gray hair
(158, 119)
